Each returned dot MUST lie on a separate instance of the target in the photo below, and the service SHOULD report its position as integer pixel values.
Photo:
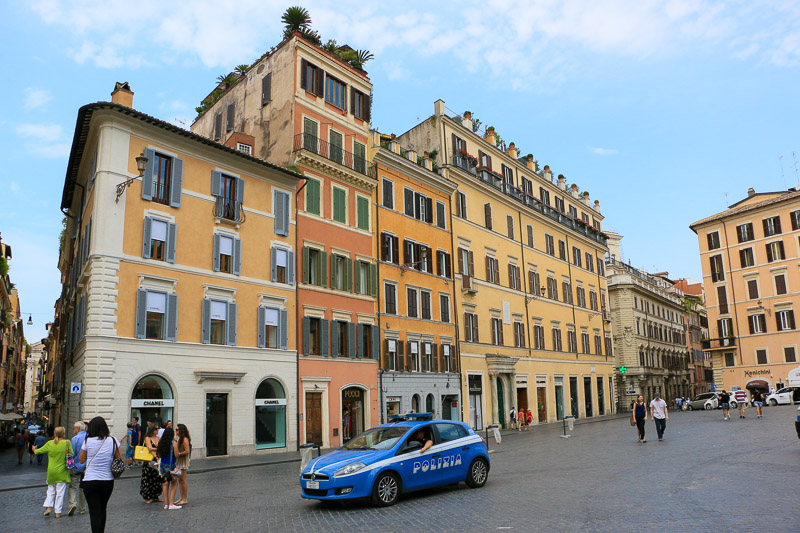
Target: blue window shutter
(351, 339)
(172, 235)
(290, 268)
(216, 183)
(376, 342)
(306, 335)
(141, 313)
(323, 337)
(306, 267)
(279, 213)
(172, 317)
(283, 330)
(147, 178)
(240, 191)
(360, 337)
(273, 266)
(286, 215)
(335, 338)
(176, 184)
(231, 324)
(216, 252)
(237, 256)
(262, 324)
(206, 335)
(146, 240)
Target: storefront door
(352, 412)
(152, 400)
(314, 418)
(559, 390)
(216, 424)
(601, 397)
(475, 401)
(501, 404)
(270, 415)
(573, 396)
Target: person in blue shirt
(40, 441)
(76, 474)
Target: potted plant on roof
(573, 188)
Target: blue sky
(665, 112)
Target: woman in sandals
(57, 473)
(168, 454)
(150, 485)
(640, 416)
(184, 450)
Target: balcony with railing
(721, 343)
(497, 182)
(229, 209)
(332, 152)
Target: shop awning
(757, 384)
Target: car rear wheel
(691, 408)
(478, 473)
(733, 405)
(773, 402)
(386, 490)
(708, 407)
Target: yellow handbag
(141, 453)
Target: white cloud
(36, 97)
(602, 151)
(41, 132)
(13, 186)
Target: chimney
(751, 192)
(467, 121)
(122, 94)
(438, 107)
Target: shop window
(270, 415)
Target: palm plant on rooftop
(241, 70)
(295, 18)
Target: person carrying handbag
(99, 451)
(639, 417)
(168, 452)
(150, 484)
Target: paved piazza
(707, 475)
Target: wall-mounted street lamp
(141, 164)
(423, 260)
(533, 296)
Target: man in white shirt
(658, 409)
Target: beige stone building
(749, 254)
(647, 317)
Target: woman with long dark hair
(184, 450)
(150, 485)
(640, 417)
(168, 452)
(98, 452)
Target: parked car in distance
(707, 400)
(784, 396)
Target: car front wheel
(386, 490)
(733, 405)
(691, 408)
(478, 473)
(709, 407)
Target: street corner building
(749, 255)
(302, 105)
(529, 292)
(178, 299)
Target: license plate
(312, 484)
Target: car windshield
(377, 439)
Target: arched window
(152, 400)
(429, 405)
(270, 415)
(415, 401)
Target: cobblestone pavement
(707, 475)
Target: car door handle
(465, 448)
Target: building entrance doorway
(352, 412)
(573, 396)
(541, 400)
(270, 415)
(314, 418)
(522, 398)
(501, 405)
(152, 400)
(587, 396)
(559, 390)
(216, 424)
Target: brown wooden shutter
(471, 264)
(510, 223)
(766, 227)
(783, 253)
(466, 325)
(475, 329)
(488, 268)
(461, 261)
(353, 101)
(510, 275)
(319, 82)
(384, 247)
(780, 284)
(777, 224)
(435, 357)
(496, 268)
(455, 143)
(230, 117)
(386, 355)
(710, 241)
(487, 215)
(769, 256)
(396, 250)
(423, 357)
(367, 107)
(722, 299)
(303, 73)
(401, 358)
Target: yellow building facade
(751, 281)
(180, 294)
(419, 364)
(528, 264)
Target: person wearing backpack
(57, 473)
(20, 440)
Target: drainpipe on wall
(298, 265)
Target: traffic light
(622, 369)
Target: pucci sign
(152, 403)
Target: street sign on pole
(75, 387)
(713, 387)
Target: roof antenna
(796, 175)
(783, 177)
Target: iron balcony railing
(332, 152)
(719, 343)
(530, 201)
(229, 209)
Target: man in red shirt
(741, 401)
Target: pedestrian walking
(138, 436)
(725, 403)
(98, 452)
(57, 474)
(528, 419)
(31, 441)
(660, 414)
(639, 415)
(184, 451)
(758, 401)
(741, 401)
(679, 402)
(21, 441)
(512, 415)
(131, 446)
(168, 453)
(521, 417)
(76, 474)
(39, 442)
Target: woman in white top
(98, 452)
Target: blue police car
(389, 459)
